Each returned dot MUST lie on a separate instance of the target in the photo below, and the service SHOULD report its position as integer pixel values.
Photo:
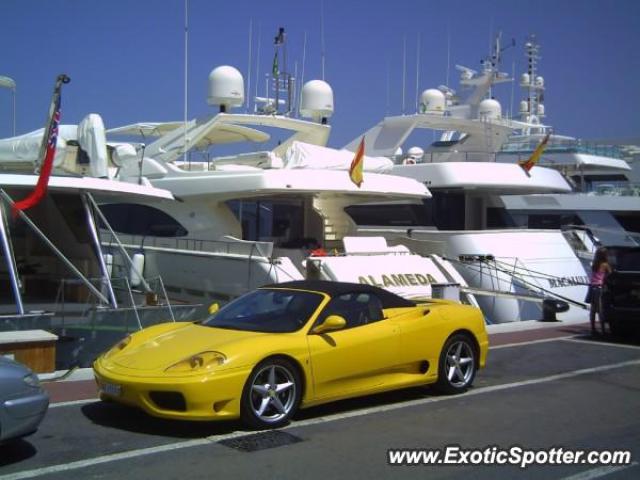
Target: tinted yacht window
(390, 215)
(142, 220)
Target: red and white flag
(51, 139)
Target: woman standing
(600, 268)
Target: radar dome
(539, 81)
(540, 110)
(524, 106)
(316, 100)
(489, 109)
(432, 101)
(226, 87)
(525, 79)
(415, 153)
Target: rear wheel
(458, 364)
(271, 395)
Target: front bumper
(22, 415)
(212, 396)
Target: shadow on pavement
(369, 401)
(15, 451)
(130, 419)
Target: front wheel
(458, 364)
(271, 395)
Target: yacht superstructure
(603, 202)
(55, 273)
(467, 220)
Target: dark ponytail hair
(599, 258)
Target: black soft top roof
(335, 289)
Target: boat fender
(137, 269)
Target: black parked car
(621, 290)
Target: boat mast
(532, 108)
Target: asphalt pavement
(552, 387)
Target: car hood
(166, 349)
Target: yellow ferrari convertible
(293, 345)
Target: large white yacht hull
(525, 262)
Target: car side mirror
(331, 323)
(213, 308)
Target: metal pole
(55, 250)
(11, 261)
(14, 111)
(145, 285)
(96, 240)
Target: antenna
(417, 69)
(257, 65)
(322, 52)
(186, 63)
(304, 59)
(404, 70)
(448, 53)
(513, 75)
(388, 106)
(248, 94)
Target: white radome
(316, 100)
(226, 87)
(432, 101)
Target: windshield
(265, 310)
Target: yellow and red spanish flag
(535, 156)
(355, 171)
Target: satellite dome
(489, 109)
(415, 153)
(226, 87)
(316, 100)
(432, 101)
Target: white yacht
(604, 205)
(468, 218)
(264, 216)
(55, 274)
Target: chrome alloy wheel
(460, 363)
(273, 393)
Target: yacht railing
(526, 147)
(627, 190)
(225, 246)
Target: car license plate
(111, 389)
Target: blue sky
(126, 57)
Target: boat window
(499, 217)
(278, 221)
(390, 215)
(549, 220)
(448, 210)
(134, 219)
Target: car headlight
(118, 347)
(32, 380)
(198, 361)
